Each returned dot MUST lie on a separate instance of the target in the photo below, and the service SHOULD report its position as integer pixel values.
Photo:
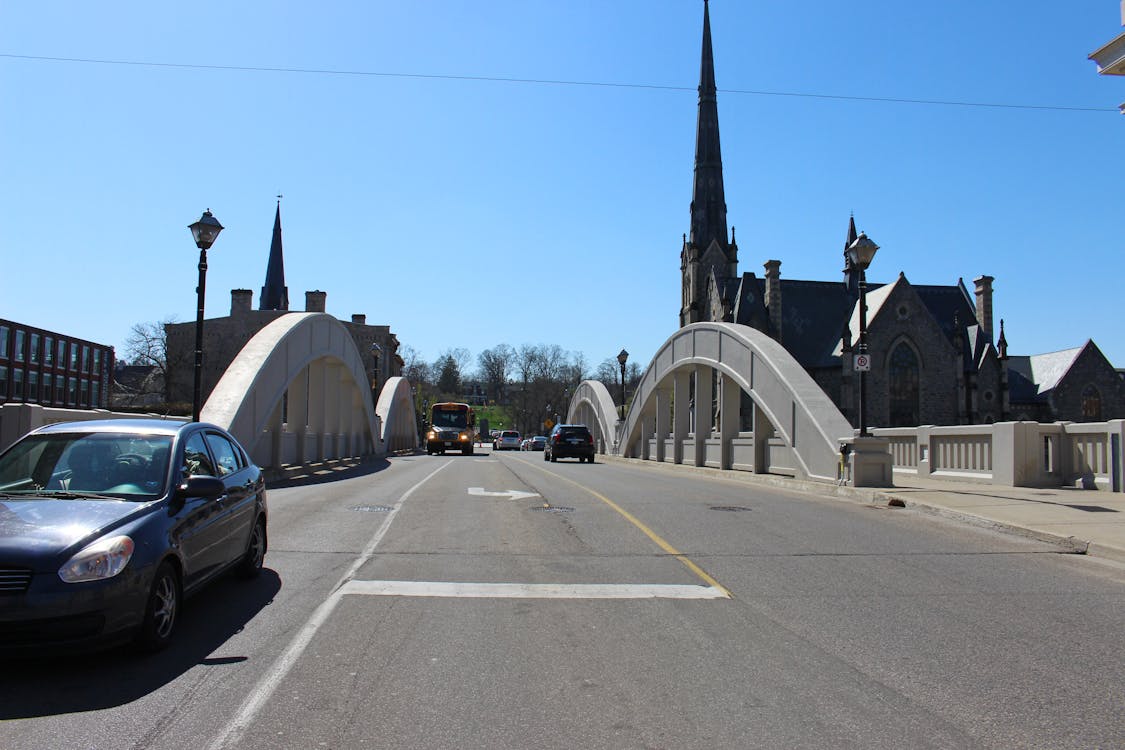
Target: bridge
(715, 394)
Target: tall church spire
(275, 295)
(708, 203)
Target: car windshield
(126, 465)
(451, 418)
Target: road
(498, 601)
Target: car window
(227, 457)
(197, 460)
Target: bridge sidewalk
(1090, 522)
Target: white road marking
(513, 494)
(232, 733)
(531, 590)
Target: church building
(937, 356)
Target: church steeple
(708, 202)
(708, 261)
(275, 295)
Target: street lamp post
(860, 254)
(204, 232)
(622, 358)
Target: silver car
(508, 440)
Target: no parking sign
(862, 363)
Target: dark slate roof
(813, 316)
(945, 302)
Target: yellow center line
(660, 542)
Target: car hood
(41, 528)
(454, 430)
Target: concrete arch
(796, 427)
(328, 413)
(395, 409)
(592, 405)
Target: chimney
(241, 301)
(359, 320)
(984, 304)
(314, 301)
(773, 296)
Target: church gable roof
(812, 317)
(1045, 371)
(946, 304)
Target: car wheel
(162, 609)
(251, 563)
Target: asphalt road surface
(498, 601)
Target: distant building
(223, 338)
(934, 351)
(52, 369)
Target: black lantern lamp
(860, 254)
(204, 232)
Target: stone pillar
(681, 416)
(299, 413)
(763, 431)
(704, 419)
(663, 404)
(729, 419)
(870, 461)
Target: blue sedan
(105, 527)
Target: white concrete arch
(593, 406)
(796, 429)
(395, 409)
(328, 413)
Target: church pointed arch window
(1091, 404)
(903, 380)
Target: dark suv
(570, 441)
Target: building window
(3, 383)
(3, 342)
(48, 350)
(1091, 404)
(34, 353)
(903, 378)
(94, 395)
(62, 353)
(74, 356)
(32, 387)
(17, 354)
(60, 389)
(72, 392)
(84, 392)
(85, 358)
(17, 384)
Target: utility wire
(554, 82)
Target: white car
(508, 440)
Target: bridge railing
(1015, 454)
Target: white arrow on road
(513, 494)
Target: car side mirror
(199, 485)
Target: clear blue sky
(444, 160)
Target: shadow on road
(51, 685)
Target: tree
(495, 368)
(147, 346)
(449, 375)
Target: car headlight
(430, 435)
(102, 559)
(462, 436)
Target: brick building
(44, 367)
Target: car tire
(161, 610)
(252, 560)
